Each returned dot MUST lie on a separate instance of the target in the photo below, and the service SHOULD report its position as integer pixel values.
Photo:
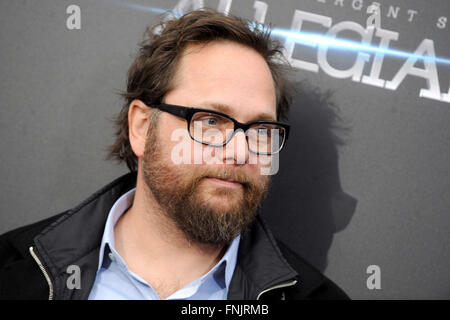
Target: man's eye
(211, 121)
(263, 131)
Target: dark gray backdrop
(382, 199)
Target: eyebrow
(263, 116)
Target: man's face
(212, 201)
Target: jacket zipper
(283, 285)
(41, 266)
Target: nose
(236, 150)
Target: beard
(205, 214)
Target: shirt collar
(228, 260)
(118, 209)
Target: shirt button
(111, 256)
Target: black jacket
(34, 258)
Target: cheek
(182, 150)
(263, 165)
(259, 160)
(178, 147)
(173, 141)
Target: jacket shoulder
(15, 243)
(20, 277)
(312, 284)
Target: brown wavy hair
(150, 74)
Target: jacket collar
(75, 237)
(260, 264)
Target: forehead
(224, 73)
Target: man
(199, 130)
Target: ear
(138, 121)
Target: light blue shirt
(114, 281)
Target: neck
(155, 249)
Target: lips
(224, 182)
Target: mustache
(235, 175)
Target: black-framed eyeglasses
(214, 128)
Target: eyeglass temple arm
(173, 109)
